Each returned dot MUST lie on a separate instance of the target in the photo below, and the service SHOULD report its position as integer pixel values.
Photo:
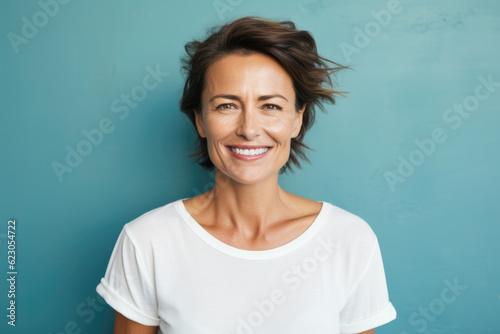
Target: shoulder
(353, 240)
(348, 227)
(153, 223)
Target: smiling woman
(250, 110)
(248, 256)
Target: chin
(249, 177)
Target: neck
(248, 208)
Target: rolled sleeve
(128, 286)
(368, 304)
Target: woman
(248, 256)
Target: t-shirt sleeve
(368, 304)
(128, 286)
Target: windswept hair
(294, 49)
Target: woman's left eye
(273, 107)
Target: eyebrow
(237, 98)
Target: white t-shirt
(168, 271)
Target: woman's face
(248, 116)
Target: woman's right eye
(224, 106)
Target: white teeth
(249, 152)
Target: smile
(248, 153)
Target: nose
(248, 124)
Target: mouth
(246, 152)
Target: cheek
(218, 127)
(281, 129)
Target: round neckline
(246, 253)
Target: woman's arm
(124, 325)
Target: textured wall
(413, 148)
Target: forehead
(240, 74)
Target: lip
(248, 147)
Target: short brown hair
(294, 49)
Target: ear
(298, 121)
(199, 123)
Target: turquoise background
(437, 226)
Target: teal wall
(413, 148)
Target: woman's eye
(224, 106)
(229, 106)
(273, 107)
